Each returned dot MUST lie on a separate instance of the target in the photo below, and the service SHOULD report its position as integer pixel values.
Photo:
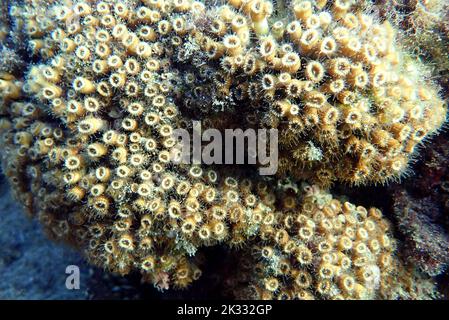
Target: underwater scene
(225, 149)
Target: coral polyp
(87, 134)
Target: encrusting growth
(87, 144)
(332, 76)
(323, 248)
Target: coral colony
(87, 128)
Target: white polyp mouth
(232, 43)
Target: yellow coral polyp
(83, 85)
